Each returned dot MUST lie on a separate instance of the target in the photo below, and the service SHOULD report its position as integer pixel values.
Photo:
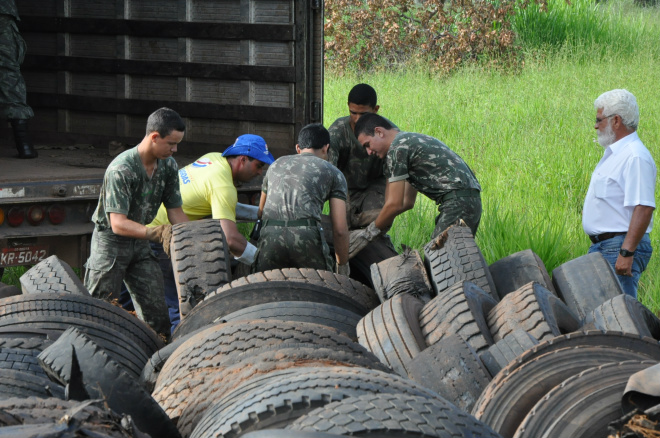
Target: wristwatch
(626, 253)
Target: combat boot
(23, 144)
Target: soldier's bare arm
(235, 240)
(339, 229)
(400, 196)
(262, 202)
(123, 226)
(176, 215)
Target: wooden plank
(163, 68)
(141, 107)
(160, 29)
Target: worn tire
(624, 313)
(461, 310)
(200, 260)
(452, 369)
(355, 290)
(52, 275)
(585, 283)
(239, 297)
(44, 305)
(508, 398)
(459, 259)
(391, 332)
(534, 309)
(102, 377)
(516, 270)
(21, 384)
(583, 405)
(8, 290)
(500, 354)
(279, 398)
(390, 415)
(209, 353)
(318, 313)
(21, 359)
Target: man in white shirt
(618, 209)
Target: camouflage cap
(252, 146)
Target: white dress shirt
(623, 179)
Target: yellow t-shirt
(207, 189)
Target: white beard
(606, 137)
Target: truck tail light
(15, 216)
(56, 214)
(2, 216)
(35, 215)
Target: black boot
(23, 144)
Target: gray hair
(622, 103)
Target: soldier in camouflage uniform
(13, 104)
(294, 191)
(135, 184)
(363, 172)
(417, 162)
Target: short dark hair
(363, 94)
(164, 121)
(369, 122)
(313, 136)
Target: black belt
(468, 193)
(292, 223)
(605, 236)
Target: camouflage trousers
(466, 208)
(282, 247)
(114, 259)
(363, 206)
(12, 86)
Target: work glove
(249, 254)
(344, 269)
(161, 234)
(358, 239)
(246, 212)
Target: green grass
(528, 136)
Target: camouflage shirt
(8, 7)
(298, 185)
(345, 152)
(429, 166)
(128, 190)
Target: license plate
(23, 255)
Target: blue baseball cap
(252, 146)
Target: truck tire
(458, 259)
(46, 305)
(102, 377)
(118, 345)
(585, 283)
(21, 359)
(506, 401)
(52, 275)
(15, 383)
(364, 295)
(239, 297)
(380, 415)
(200, 260)
(327, 315)
(279, 433)
(391, 331)
(624, 313)
(25, 343)
(506, 350)
(534, 309)
(583, 405)
(452, 369)
(402, 274)
(279, 399)
(8, 290)
(462, 310)
(516, 270)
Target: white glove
(246, 212)
(248, 255)
(343, 269)
(358, 239)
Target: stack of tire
(527, 355)
(69, 362)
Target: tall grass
(528, 136)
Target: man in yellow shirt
(208, 188)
